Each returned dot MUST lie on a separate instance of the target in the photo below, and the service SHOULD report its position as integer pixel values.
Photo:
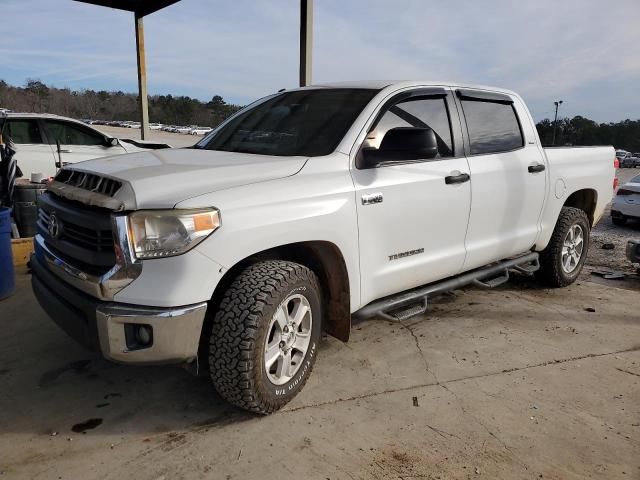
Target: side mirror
(112, 141)
(402, 144)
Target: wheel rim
(288, 339)
(572, 249)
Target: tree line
(36, 96)
(580, 131)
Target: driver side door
(412, 219)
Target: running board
(414, 302)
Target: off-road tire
(239, 329)
(619, 221)
(551, 273)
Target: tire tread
(235, 329)
(550, 273)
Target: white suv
(36, 137)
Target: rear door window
(70, 134)
(493, 127)
(23, 131)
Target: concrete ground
(513, 383)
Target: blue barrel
(7, 275)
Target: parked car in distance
(629, 160)
(626, 203)
(305, 208)
(183, 129)
(155, 126)
(200, 130)
(36, 138)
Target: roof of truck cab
(380, 84)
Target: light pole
(555, 121)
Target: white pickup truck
(304, 209)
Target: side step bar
(414, 302)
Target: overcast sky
(585, 52)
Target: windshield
(307, 123)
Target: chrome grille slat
(94, 240)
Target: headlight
(165, 233)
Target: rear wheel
(562, 261)
(265, 335)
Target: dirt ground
(513, 383)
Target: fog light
(138, 336)
(143, 335)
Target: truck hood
(163, 178)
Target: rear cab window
(492, 123)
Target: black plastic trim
(483, 96)
(73, 311)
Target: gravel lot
(173, 139)
(517, 382)
(606, 232)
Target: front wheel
(265, 335)
(562, 261)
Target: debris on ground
(608, 246)
(609, 274)
(415, 402)
(590, 309)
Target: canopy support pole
(142, 78)
(306, 41)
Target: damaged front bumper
(123, 333)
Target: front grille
(84, 234)
(98, 240)
(89, 181)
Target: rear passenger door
(508, 177)
(33, 154)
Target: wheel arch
(324, 258)
(585, 199)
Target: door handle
(536, 168)
(459, 178)
(66, 150)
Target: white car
(200, 130)
(155, 126)
(36, 138)
(183, 129)
(626, 203)
(304, 209)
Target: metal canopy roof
(139, 7)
